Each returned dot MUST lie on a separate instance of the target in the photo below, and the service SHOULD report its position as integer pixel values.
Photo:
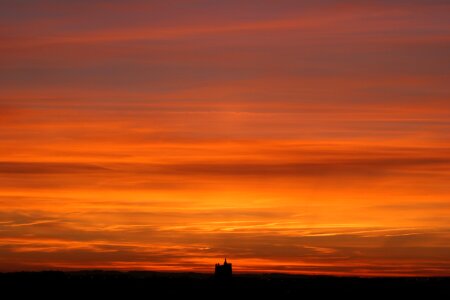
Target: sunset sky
(291, 136)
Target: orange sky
(289, 136)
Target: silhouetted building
(224, 271)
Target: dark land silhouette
(156, 285)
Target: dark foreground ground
(153, 285)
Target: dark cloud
(48, 168)
(357, 167)
(350, 167)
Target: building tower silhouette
(224, 271)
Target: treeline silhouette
(156, 285)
